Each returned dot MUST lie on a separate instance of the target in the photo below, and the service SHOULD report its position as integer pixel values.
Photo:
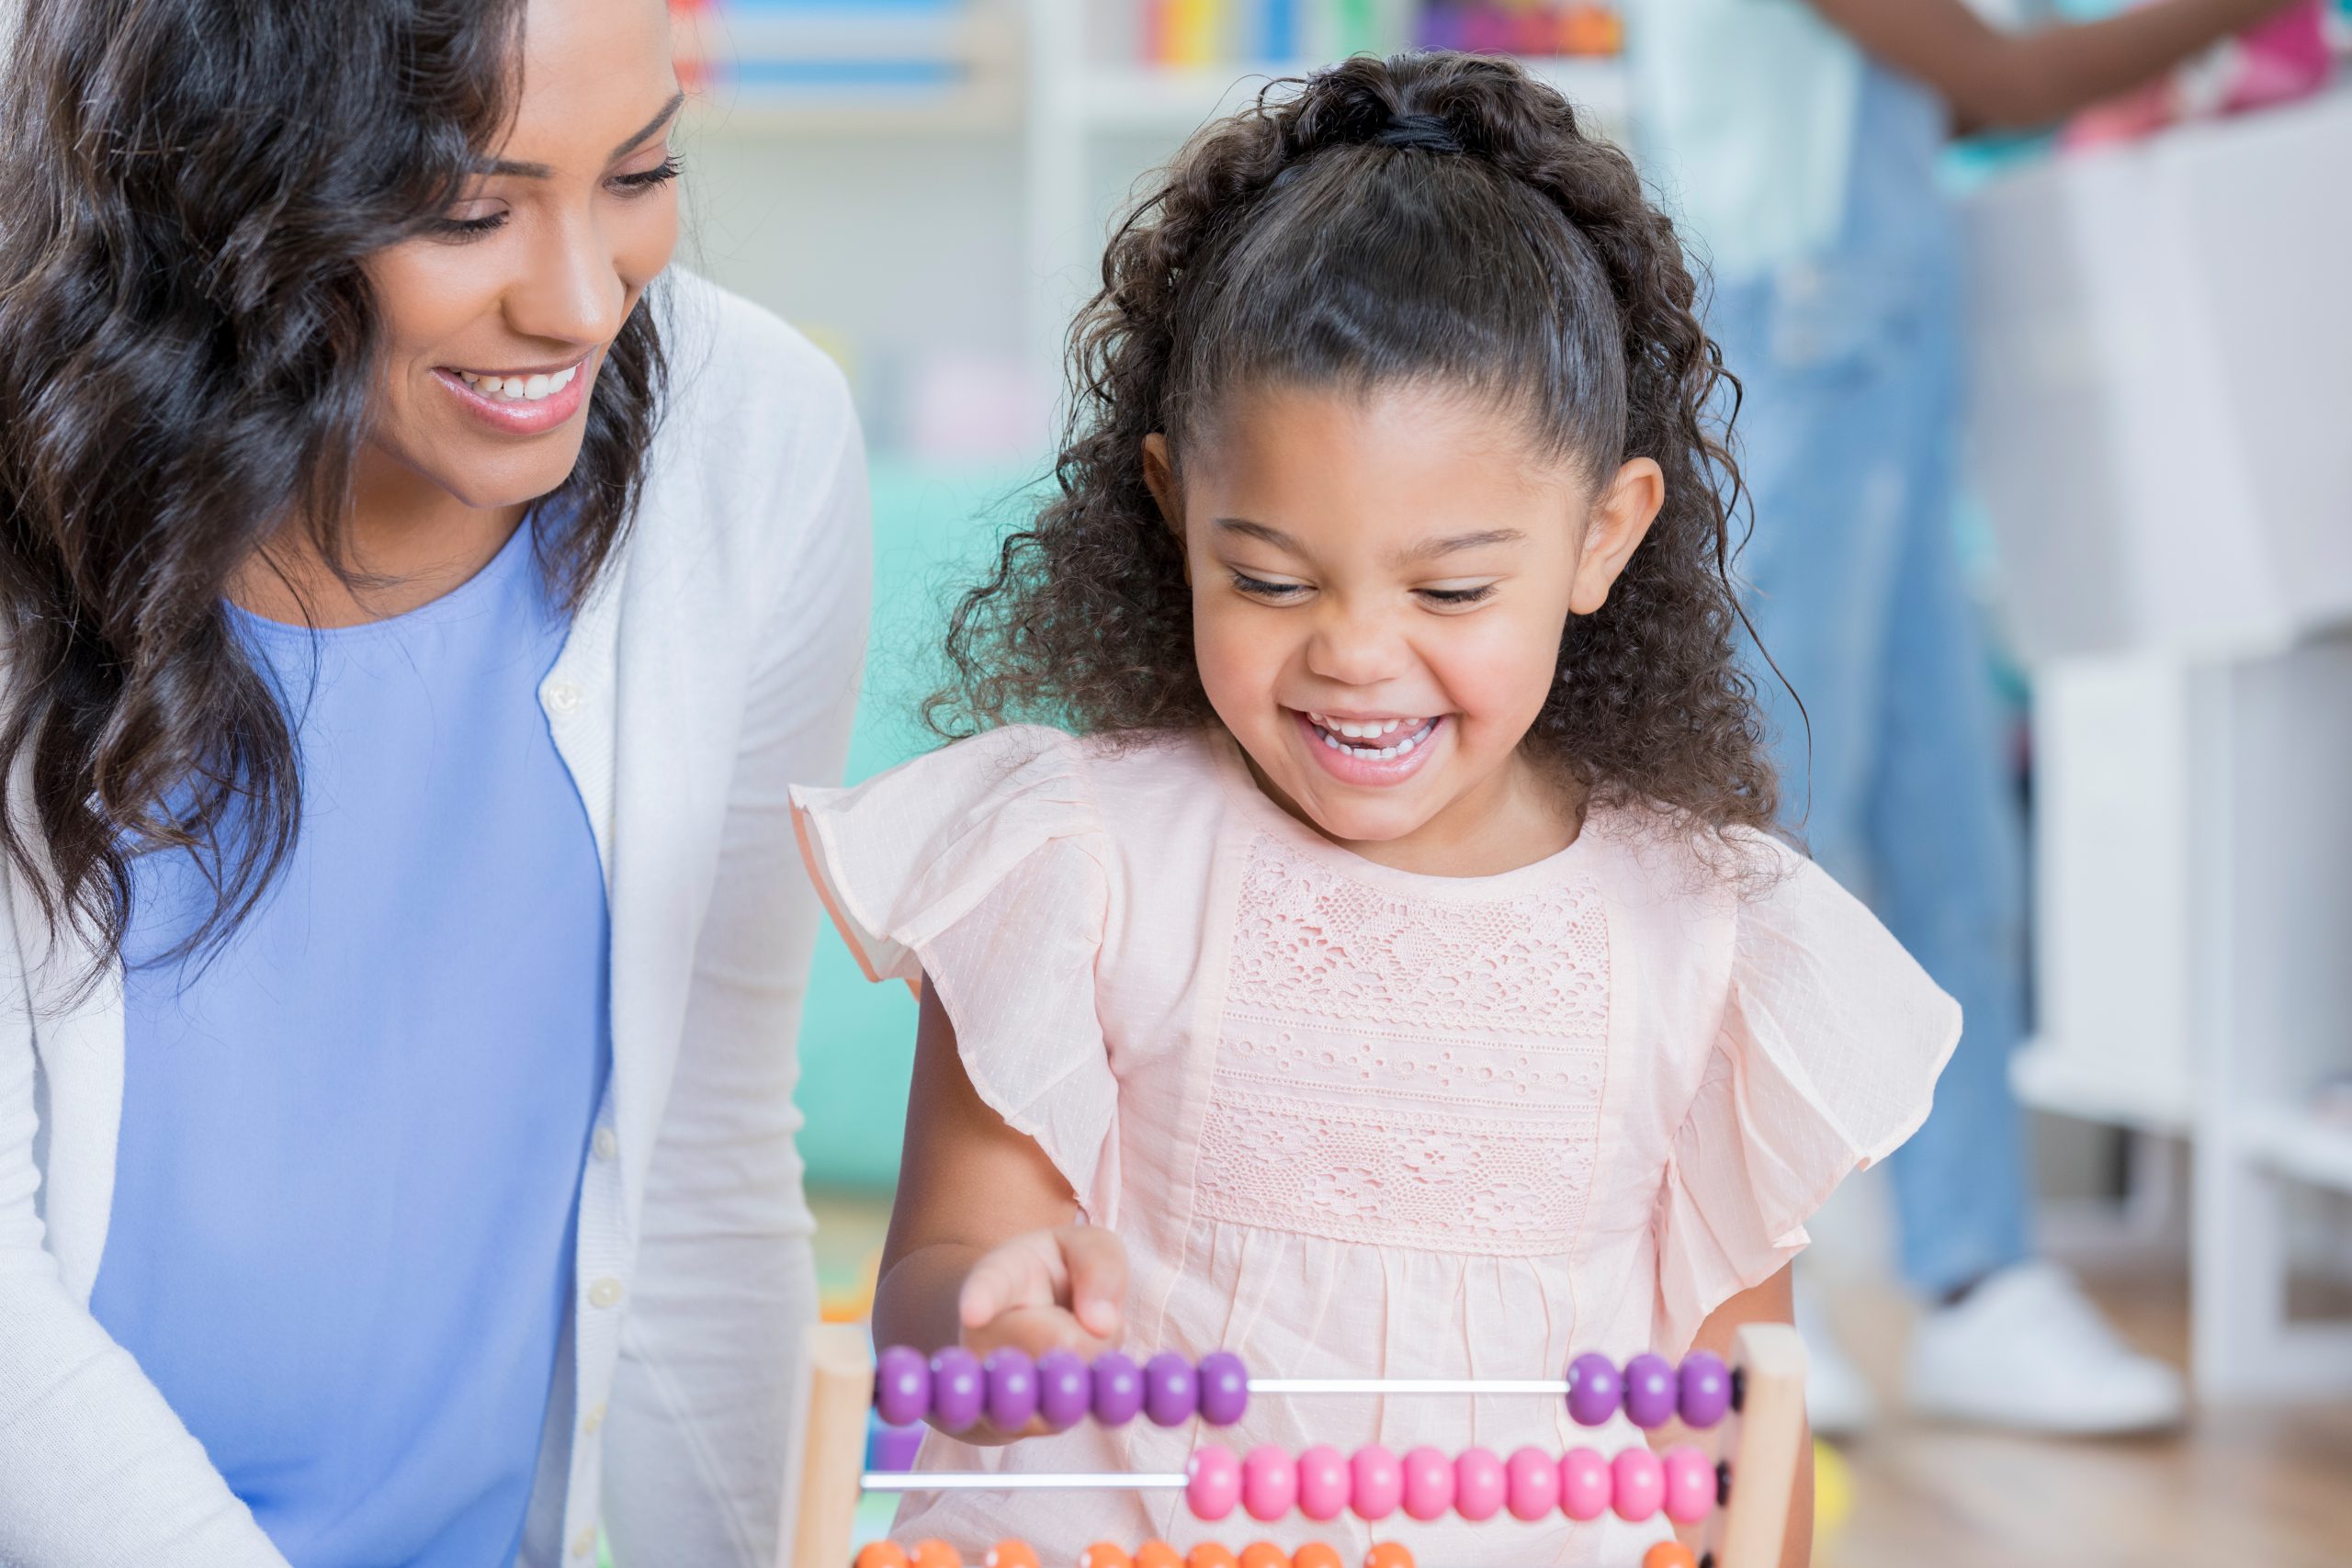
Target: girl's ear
(1160, 474)
(1620, 517)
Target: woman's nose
(572, 291)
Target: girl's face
(496, 322)
(1380, 585)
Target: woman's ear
(1160, 474)
(1614, 527)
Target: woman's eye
(1259, 588)
(1454, 597)
(661, 174)
(452, 226)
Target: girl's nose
(1355, 648)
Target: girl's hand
(1043, 1289)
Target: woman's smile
(520, 400)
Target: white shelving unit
(2160, 443)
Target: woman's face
(1379, 588)
(496, 322)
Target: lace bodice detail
(1409, 1071)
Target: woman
(416, 610)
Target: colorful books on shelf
(1191, 34)
(817, 48)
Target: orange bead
(1264, 1554)
(881, 1554)
(1012, 1553)
(1158, 1554)
(1388, 1554)
(1317, 1554)
(1669, 1554)
(1209, 1554)
(932, 1552)
(1102, 1554)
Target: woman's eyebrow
(543, 172)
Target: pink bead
(1532, 1480)
(1479, 1486)
(1376, 1483)
(1213, 1483)
(1322, 1483)
(1428, 1483)
(1586, 1484)
(1638, 1485)
(1268, 1483)
(1689, 1484)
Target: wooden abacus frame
(1762, 1441)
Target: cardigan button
(564, 697)
(607, 1143)
(583, 1543)
(604, 1292)
(593, 1420)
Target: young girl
(1392, 975)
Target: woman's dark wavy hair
(1430, 217)
(188, 348)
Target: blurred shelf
(2300, 1144)
(2048, 1076)
(1161, 100)
(843, 69)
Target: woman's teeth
(1381, 731)
(519, 388)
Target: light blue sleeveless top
(352, 1141)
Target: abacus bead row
(1651, 1389)
(1582, 1484)
(1013, 1553)
(954, 1388)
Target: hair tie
(1419, 133)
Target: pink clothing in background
(1357, 1122)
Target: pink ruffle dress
(1356, 1121)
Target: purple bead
(1172, 1390)
(958, 1390)
(1012, 1388)
(1706, 1389)
(1118, 1389)
(902, 1386)
(1650, 1390)
(1225, 1388)
(1064, 1390)
(1595, 1392)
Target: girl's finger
(1008, 1276)
(1098, 1278)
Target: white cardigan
(716, 665)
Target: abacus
(1750, 1410)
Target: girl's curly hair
(1431, 217)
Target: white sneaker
(1838, 1399)
(2026, 1349)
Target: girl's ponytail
(1431, 217)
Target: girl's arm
(1996, 80)
(1767, 1303)
(985, 1247)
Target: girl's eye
(661, 174)
(1261, 588)
(1454, 597)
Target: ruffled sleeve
(1825, 1061)
(984, 867)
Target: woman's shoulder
(755, 418)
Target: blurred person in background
(1801, 141)
(396, 555)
